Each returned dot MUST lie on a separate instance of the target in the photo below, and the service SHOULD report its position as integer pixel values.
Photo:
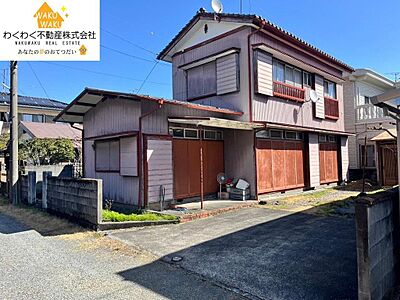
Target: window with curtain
(330, 89)
(202, 81)
(287, 74)
(278, 71)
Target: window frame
(203, 95)
(266, 134)
(326, 90)
(219, 135)
(277, 62)
(310, 77)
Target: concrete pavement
(37, 267)
(267, 254)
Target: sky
(364, 34)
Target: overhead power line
(38, 80)
(128, 41)
(148, 75)
(104, 73)
(130, 55)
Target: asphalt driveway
(261, 253)
(86, 266)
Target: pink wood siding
(112, 116)
(159, 169)
(115, 187)
(237, 100)
(157, 123)
(295, 53)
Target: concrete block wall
(23, 188)
(377, 224)
(80, 199)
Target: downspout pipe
(140, 150)
(249, 64)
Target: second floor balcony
(369, 112)
(289, 92)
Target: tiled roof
(251, 19)
(97, 96)
(33, 101)
(51, 130)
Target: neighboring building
(242, 106)
(29, 130)
(30, 109)
(364, 119)
(390, 102)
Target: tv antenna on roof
(217, 6)
(396, 76)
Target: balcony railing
(331, 108)
(369, 112)
(287, 91)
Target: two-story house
(250, 100)
(370, 145)
(30, 109)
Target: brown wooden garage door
(186, 161)
(328, 162)
(280, 165)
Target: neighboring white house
(362, 118)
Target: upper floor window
(31, 118)
(364, 100)
(215, 75)
(329, 89)
(202, 81)
(287, 74)
(307, 79)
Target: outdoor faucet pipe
(140, 150)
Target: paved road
(268, 254)
(37, 267)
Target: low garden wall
(377, 224)
(80, 199)
(27, 188)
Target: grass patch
(113, 216)
(39, 220)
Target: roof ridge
(203, 13)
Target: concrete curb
(205, 214)
(131, 224)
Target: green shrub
(46, 151)
(113, 216)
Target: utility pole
(241, 6)
(14, 132)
